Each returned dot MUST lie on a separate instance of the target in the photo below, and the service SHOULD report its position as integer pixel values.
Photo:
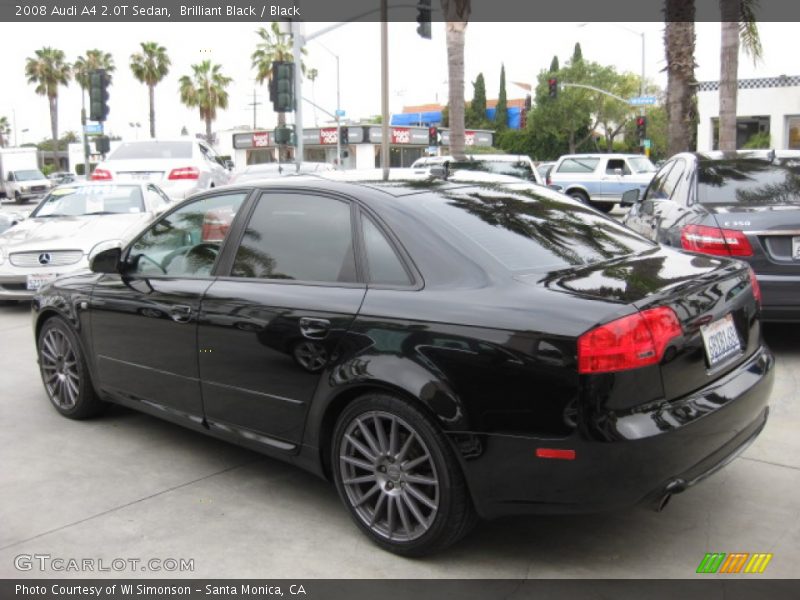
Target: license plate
(142, 176)
(721, 340)
(34, 282)
(796, 247)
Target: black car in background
(745, 205)
(439, 350)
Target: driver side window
(186, 242)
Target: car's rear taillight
(100, 175)
(184, 173)
(628, 343)
(756, 287)
(714, 240)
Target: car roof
(601, 155)
(477, 157)
(717, 155)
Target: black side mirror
(107, 261)
(629, 198)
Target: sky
(417, 67)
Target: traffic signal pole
(297, 47)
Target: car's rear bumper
(780, 297)
(646, 454)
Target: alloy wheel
(59, 366)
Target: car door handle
(181, 313)
(315, 329)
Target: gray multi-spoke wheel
(398, 476)
(312, 356)
(64, 372)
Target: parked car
(544, 169)
(514, 165)
(472, 349)
(601, 179)
(271, 170)
(61, 177)
(20, 177)
(8, 220)
(743, 204)
(179, 167)
(70, 223)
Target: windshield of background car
(642, 165)
(527, 230)
(91, 199)
(749, 182)
(29, 175)
(501, 167)
(152, 150)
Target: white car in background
(71, 223)
(179, 167)
(514, 165)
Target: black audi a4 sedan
(441, 351)
(743, 204)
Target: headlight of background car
(24, 188)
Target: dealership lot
(130, 486)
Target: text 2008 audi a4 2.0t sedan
(441, 351)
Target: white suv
(179, 167)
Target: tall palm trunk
(208, 129)
(728, 74)
(54, 128)
(679, 42)
(152, 90)
(455, 74)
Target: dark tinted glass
(299, 237)
(384, 266)
(749, 182)
(531, 230)
(152, 150)
(519, 169)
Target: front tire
(64, 372)
(399, 478)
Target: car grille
(57, 258)
(38, 188)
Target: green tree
(501, 109)
(5, 131)
(738, 28)
(679, 45)
(613, 115)
(205, 89)
(577, 54)
(456, 15)
(554, 65)
(475, 117)
(48, 70)
(273, 45)
(150, 66)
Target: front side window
(617, 163)
(298, 237)
(578, 165)
(186, 242)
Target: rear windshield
(519, 169)
(749, 182)
(527, 229)
(135, 150)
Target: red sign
(328, 135)
(261, 139)
(469, 138)
(401, 135)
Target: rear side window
(384, 265)
(152, 150)
(528, 230)
(578, 165)
(298, 237)
(749, 182)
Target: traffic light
(424, 19)
(284, 136)
(433, 136)
(102, 144)
(281, 86)
(641, 127)
(344, 136)
(98, 95)
(552, 85)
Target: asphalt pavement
(129, 486)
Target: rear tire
(18, 199)
(579, 196)
(65, 374)
(399, 478)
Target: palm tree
(150, 66)
(5, 131)
(205, 90)
(274, 45)
(456, 14)
(679, 41)
(738, 26)
(48, 70)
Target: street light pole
(385, 89)
(297, 46)
(338, 119)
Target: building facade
(768, 105)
